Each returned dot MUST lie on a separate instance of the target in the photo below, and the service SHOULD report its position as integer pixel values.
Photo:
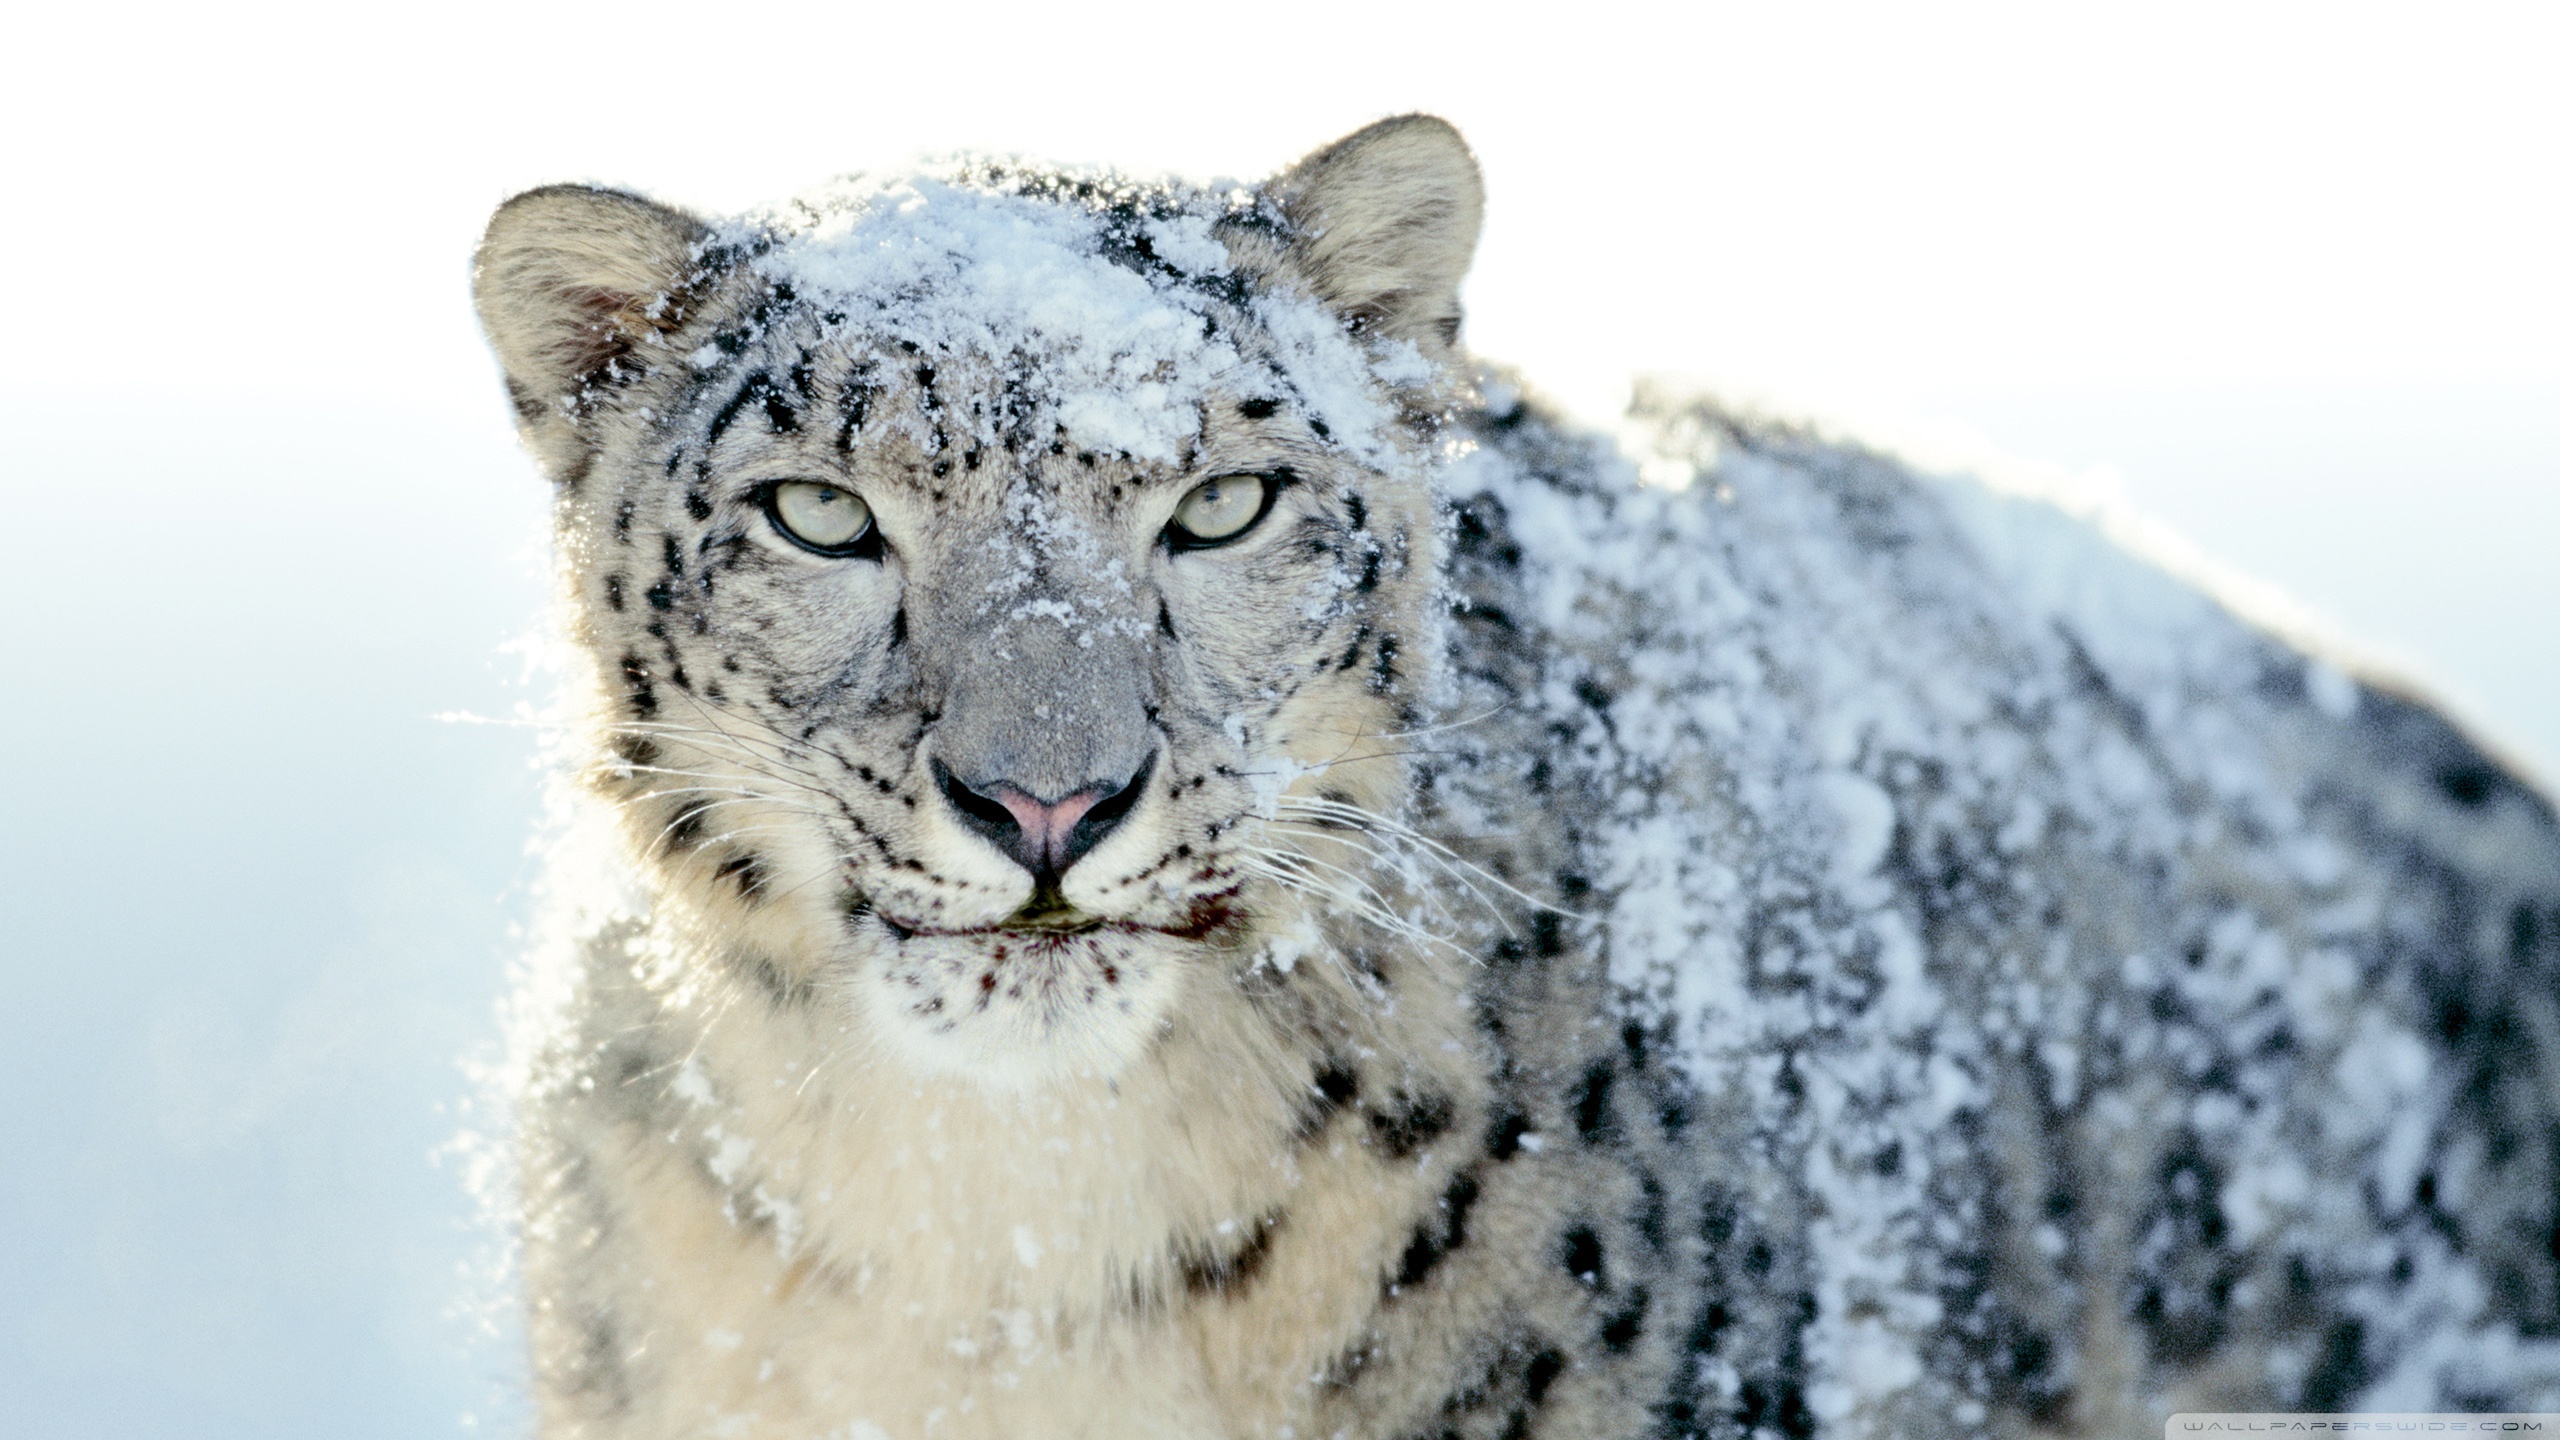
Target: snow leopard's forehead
(1104, 311)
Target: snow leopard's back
(2078, 1004)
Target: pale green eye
(826, 518)
(1220, 510)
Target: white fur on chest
(810, 1238)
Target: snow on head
(1098, 301)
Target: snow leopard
(1185, 858)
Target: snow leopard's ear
(1387, 219)
(569, 278)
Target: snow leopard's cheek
(1243, 624)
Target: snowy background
(2279, 276)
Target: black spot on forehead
(754, 386)
(779, 413)
(856, 406)
(1258, 409)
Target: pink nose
(1042, 836)
(1045, 828)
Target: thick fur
(1359, 1080)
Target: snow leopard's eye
(1219, 510)
(827, 519)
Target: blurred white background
(2281, 275)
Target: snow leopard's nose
(1042, 836)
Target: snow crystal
(1865, 814)
(731, 1157)
(691, 1085)
(1185, 240)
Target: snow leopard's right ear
(1386, 220)
(569, 278)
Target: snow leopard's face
(996, 595)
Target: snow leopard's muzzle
(1044, 738)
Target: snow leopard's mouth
(1048, 918)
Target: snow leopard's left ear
(1386, 220)
(569, 279)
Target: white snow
(1823, 674)
(964, 263)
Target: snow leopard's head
(999, 580)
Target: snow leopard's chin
(1012, 1009)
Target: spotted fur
(1328, 1090)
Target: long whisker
(746, 759)
(1347, 891)
(1340, 817)
(1476, 719)
(758, 752)
(1275, 866)
(735, 782)
(1457, 866)
(1367, 892)
(1399, 857)
(771, 736)
(662, 843)
(713, 715)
